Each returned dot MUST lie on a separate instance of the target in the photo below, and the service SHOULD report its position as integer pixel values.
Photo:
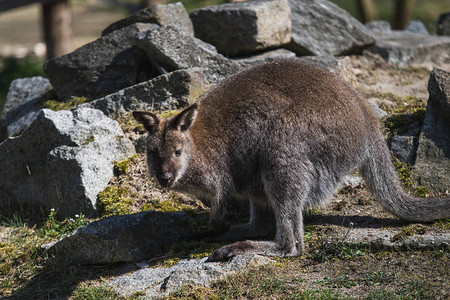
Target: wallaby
(283, 135)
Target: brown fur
(283, 135)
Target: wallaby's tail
(380, 175)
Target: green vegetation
(409, 231)
(122, 167)
(63, 105)
(54, 228)
(404, 174)
(94, 293)
(114, 201)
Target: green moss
(442, 224)
(409, 231)
(114, 201)
(123, 166)
(404, 174)
(402, 119)
(63, 105)
(194, 293)
(89, 139)
(168, 114)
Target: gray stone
(62, 161)
(379, 238)
(106, 65)
(403, 147)
(24, 100)
(443, 26)
(432, 167)
(378, 111)
(339, 66)
(169, 91)
(320, 27)
(417, 27)
(244, 27)
(159, 282)
(264, 57)
(379, 25)
(350, 180)
(170, 14)
(402, 48)
(187, 52)
(125, 238)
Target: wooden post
(367, 10)
(148, 3)
(57, 22)
(403, 12)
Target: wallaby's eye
(178, 152)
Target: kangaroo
(283, 135)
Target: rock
(264, 57)
(125, 238)
(159, 282)
(378, 25)
(169, 91)
(432, 167)
(320, 27)
(443, 26)
(24, 100)
(352, 181)
(62, 161)
(187, 52)
(403, 147)
(339, 66)
(378, 111)
(106, 65)
(401, 47)
(417, 27)
(244, 27)
(170, 14)
(379, 238)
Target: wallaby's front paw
(229, 251)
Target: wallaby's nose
(167, 176)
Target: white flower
(77, 216)
(52, 209)
(72, 220)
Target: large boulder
(187, 52)
(23, 102)
(320, 27)
(244, 27)
(266, 56)
(432, 167)
(170, 14)
(402, 47)
(62, 161)
(127, 238)
(169, 91)
(159, 282)
(103, 66)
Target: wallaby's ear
(149, 120)
(185, 118)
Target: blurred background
(22, 38)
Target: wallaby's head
(168, 144)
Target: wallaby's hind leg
(289, 220)
(262, 223)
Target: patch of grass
(380, 294)
(377, 278)
(64, 105)
(193, 292)
(94, 293)
(409, 231)
(114, 201)
(443, 224)
(328, 250)
(416, 289)
(54, 228)
(339, 282)
(167, 114)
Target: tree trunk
(57, 22)
(367, 10)
(403, 12)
